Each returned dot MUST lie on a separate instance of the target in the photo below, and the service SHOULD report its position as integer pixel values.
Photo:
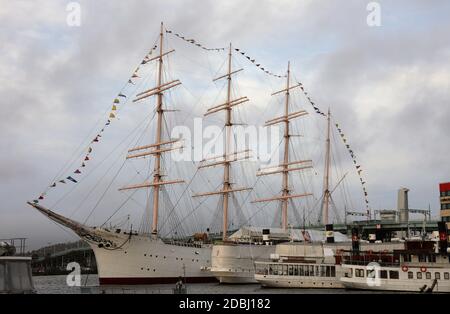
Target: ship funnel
(329, 233)
(402, 205)
(265, 235)
(355, 239)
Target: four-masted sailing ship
(132, 257)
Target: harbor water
(89, 284)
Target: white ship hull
(298, 282)
(403, 283)
(234, 263)
(144, 260)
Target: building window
(446, 276)
(393, 274)
(428, 275)
(419, 275)
(437, 275)
(410, 275)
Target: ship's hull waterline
(128, 259)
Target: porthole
(154, 269)
(145, 254)
(142, 268)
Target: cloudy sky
(388, 85)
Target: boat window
(419, 275)
(428, 275)
(285, 270)
(301, 270)
(410, 275)
(296, 270)
(437, 275)
(333, 271)
(422, 258)
(291, 271)
(317, 273)
(446, 276)
(359, 272)
(432, 258)
(323, 271)
(393, 274)
(383, 274)
(311, 270)
(407, 257)
(328, 274)
(371, 273)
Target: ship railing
(19, 245)
(181, 243)
(365, 263)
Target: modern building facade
(444, 189)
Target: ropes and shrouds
(112, 114)
(357, 166)
(252, 60)
(347, 146)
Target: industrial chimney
(402, 205)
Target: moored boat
(421, 266)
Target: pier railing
(18, 243)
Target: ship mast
(326, 178)
(284, 166)
(286, 137)
(228, 156)
(156, 149)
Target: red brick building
(444, 189)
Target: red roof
(444, 187)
